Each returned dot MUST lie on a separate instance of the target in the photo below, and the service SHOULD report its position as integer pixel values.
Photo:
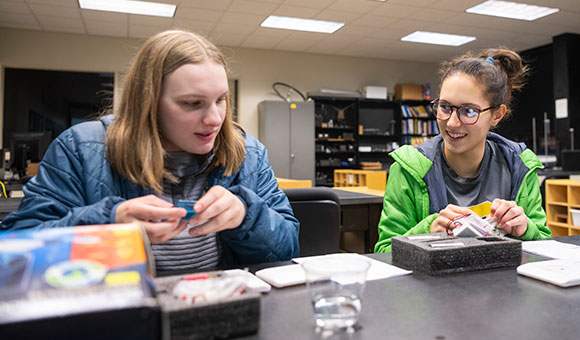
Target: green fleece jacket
(416, 191)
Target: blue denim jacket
(75, 185)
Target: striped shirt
(184, 251)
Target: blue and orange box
(78, 282)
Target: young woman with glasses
(466, 164)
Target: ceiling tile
(14, 7)
(198, 14)
(330, 45)
(302, 35)
(144, 20)
(433, 15)
(388, 34)
(368, 43)
(107, 28)
(355, 30)
(59, 3)
(418, 3)
(561, 4)
(296, 11)
(375, 21)
(13, 20)
(407, 25)
(230, 28)
(298, 43)
(65, 29)
(48, 22)
(261, 42)
(252, 7)
(200, 27)
(456, 5)
(357, 6)
(271, 32)
(338, 16)
(144, 31)
(562, 18)
(236, 22)
(104, 16)
(477, 32)
(309, 3)
(242, 18)
(57, 11)
(213, 4)
(393, 10)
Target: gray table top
(352, 198)
(490, 304)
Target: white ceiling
(373, 29)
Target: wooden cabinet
(562, 198)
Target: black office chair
(318, 210)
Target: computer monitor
(28, 146)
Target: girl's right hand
(445, 215)
(160, 219)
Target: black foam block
(477, 253)
(235, 316)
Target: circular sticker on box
(75, 274)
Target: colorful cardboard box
(90, 282)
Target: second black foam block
(417, 253)
(224, 319)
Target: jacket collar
(423, 162)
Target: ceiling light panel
(300, 24)
(131, 7)
(437, 38)
(511, 10)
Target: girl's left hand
(509, 216)
(217, 210)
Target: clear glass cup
(336, 284)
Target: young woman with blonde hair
(466, 164)
(172, 137)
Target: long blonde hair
(134, 144)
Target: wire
(453, 222)
(277, 86)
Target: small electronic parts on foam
(206, 287)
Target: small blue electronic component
(188, 205)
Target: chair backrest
(318, 210)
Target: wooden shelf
(322, 140)
(561, 196)
(373, 179)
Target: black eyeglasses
(467, 115)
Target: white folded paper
(294, 274)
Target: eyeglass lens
(468, 115)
